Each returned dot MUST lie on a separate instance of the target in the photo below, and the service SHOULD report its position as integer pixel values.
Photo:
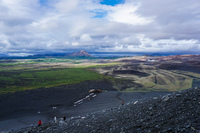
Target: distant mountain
(82, 53)
(3, 55)
(156, 54)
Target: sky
(58, 26)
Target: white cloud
(48, 23)
(126, 13)
(85, 38)
(131, 40)
(75, 43)
(140, 25)
(65, 6)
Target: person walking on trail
(39, 123)
(64, 118)
(55, 120)
(122, 102)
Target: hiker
(122, 102)
(55, 121)
(64, 118)
(39, 123)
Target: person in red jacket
(39, 123)
(122, 102)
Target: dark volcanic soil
(44, 98)
(23, 109)
(39, 102)
(185, 66)
(177, 112)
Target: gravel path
(101, 101)
(176, 112)
(106, 100)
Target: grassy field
(156, 80)
(11, 81)
(166, 80)
(24, 74)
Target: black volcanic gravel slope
(176, 112)
(42, 99)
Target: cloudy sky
(46, 26)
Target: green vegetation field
(11, 81)
(25, 74)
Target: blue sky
(99, 13)
(43, 26)
(112, 2)
(103, 13)
(44, 2)
(103, 2)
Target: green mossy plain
(12, 81)
(25, 74)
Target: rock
(178, 95)
(83, 117)
(169, 129)
(110, 120)
(165, 97)
(187, 126)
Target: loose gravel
(175, 112)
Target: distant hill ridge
(82, 53)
